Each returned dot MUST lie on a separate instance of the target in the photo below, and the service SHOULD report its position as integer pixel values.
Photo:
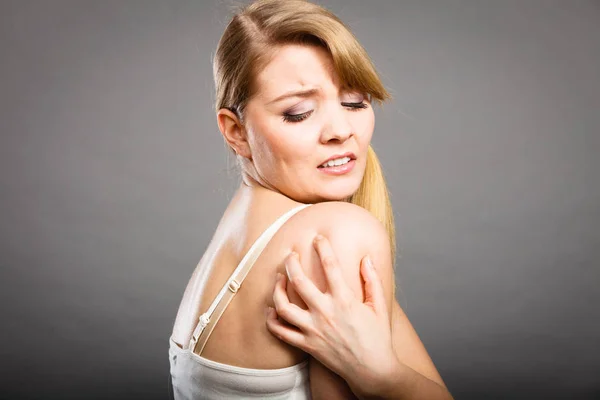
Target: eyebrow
(296, 93)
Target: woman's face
(299, 119)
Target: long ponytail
(373, 195)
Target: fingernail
(289, 259)
(317, 238)
(268, 310)
(287, 270)
(368, 262)
(278, 277)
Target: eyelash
(293, 118)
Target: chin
(341, 193)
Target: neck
(251, 191)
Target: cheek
(282, 146)
(261, 147)
(294, 145)
(365, 124)
(265, 139)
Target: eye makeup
(291, 117)
(294, 114)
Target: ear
(233, 132)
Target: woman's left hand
(350, 337)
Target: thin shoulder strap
(209, 319)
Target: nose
(338, 126)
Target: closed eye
(293, 118)
(296, 117)
(355, 106)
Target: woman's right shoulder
(343, 222)
(353, 233)
(339, 216)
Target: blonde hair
(246, 47)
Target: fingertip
(368, 262)
(373, 285)
(293, 268)
(282, 281)
(366, 267)
(295, 257)
(278, 278)
(268, 310)
(365, 272)
(318, 238)
(289, 258)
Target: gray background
(114, 176)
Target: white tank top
(196, 377)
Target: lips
(351, 155)
(338, 170)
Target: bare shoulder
(346, 216)
(353, 233)
(345, 221)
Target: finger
(283, 332)
(306, 289)
(331, 267)
(290, 312)
(374, 295)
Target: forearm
(406, 383)
(325, 384)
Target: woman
(293, 101)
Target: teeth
(336, 162)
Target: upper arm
(409, 348)
(353, 233)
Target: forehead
(294, 67)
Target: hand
(350, 337)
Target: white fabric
(196, 377)
(239, 274)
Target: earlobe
(233, 132)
